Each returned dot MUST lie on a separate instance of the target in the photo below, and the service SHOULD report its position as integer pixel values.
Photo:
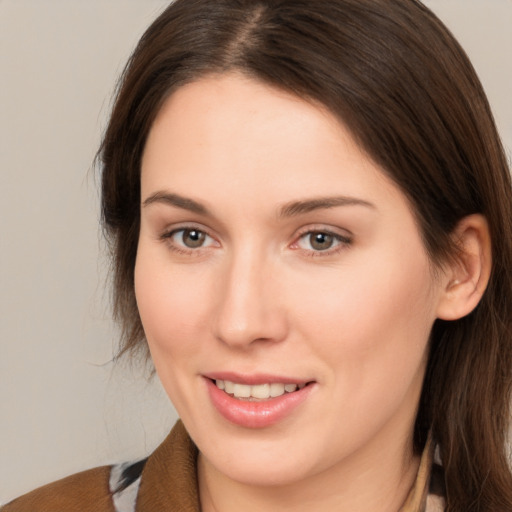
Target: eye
(322, 241)
(192, 238)
(188, 238)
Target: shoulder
(85, 491)
(165, 480)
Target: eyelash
(342, 242)
(188, 251)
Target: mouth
(257, 401)
(258, 392)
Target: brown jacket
(170, 467)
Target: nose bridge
(248, 306)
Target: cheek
(171, 304)
(374, 318)
(373, 333)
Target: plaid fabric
(436, 490)
(124, 485)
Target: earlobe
(467, 276)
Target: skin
(258, 297)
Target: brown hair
(400, 82)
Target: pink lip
(253, 380)
(259, 414)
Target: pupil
(193, 238)
(321, 241)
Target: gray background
(63, 406)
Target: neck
(377, 482)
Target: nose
(250, 307)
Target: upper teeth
(258, 391)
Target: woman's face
(273, 252)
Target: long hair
(402, 85)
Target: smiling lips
(258, 391)
(256, 405)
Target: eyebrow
(291, 209)
(176, 200)
(321, 203)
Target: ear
(465, 278)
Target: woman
(310, 217)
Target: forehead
(233, 126)
(219, 104)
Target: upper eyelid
(168, 235)
(344, 239)
(340, 238)
(318, 228)
(170, 229)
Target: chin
(261, 459)
(264, 472)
